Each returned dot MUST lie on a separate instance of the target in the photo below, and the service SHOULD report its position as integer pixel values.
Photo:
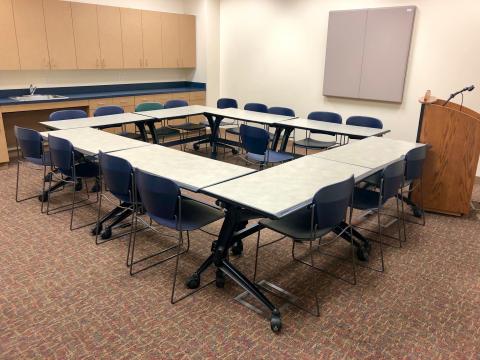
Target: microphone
(468, 88)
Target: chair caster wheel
(237, 248)
(219, 279)
(194, 281)
(106, 234)
(276, 321)
(43, 197)
(96, 230)
(362, 253)
(417, 212)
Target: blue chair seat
(296, 225)
(233, 131)
(314, 144)
(194, 216)
(364, 199)
(272, 156)
(189, 126)
(83, 170)
(166, 131)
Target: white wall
(44, 78)
(273, 51)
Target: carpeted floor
(63, 297)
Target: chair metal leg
(398, 223)
(256, 257)
(382, 269)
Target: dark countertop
(102, 91)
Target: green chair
(162, 131)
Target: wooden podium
(449, 173)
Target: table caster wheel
(276, 321)
(417, 212)
(196, 147)
(106, 234)
(237, 248)
(219, 279)
(96, 230)
(78, 186)
(43, 197)
(48, 178)
(362, 253)
(194, 281)
(234, 151)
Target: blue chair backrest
(67, 115)
(117, 175)
(254, 140)
(174, 104)
(159, 195)
(414, 163)
(149, 106)
(61, 152)
(225, 103)
(108, 110)
(30, 142)
(392, 177)
(366, 121)
(256, 107)
(278, 110)
(326, 116)
(331, 203)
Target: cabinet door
(110, 35)
(132, 42)
(152, 39)
(171, 40)
(8, 38)
(59, 27)
(31, 36)
(188, 41)
(85, 30)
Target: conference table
(243, 193)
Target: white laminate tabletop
(373, 152)
(189, 171)
(249, 116)
(341, 129)
(282, 189)
(95, 121)
(178, 112)
(90, 141)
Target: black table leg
(143, 132)
(153, 131)
(359, 241)
(229, 234)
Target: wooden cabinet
(59, 29)
(187, 41)
(152, 35)
(9, 59)
(110, 36)
(85, 29)
(131, 22)
(31, 36)
(171, 40)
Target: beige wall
(273, 51)
(44, 78)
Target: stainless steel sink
(38, 97)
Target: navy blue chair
(67, 115)
(64, 163)
(163, 131)
(250, 107)
(30, 149)
(226, 103)
(279, 110)
(255, 142)
(164, 204)
(108, 110)
(365, 121)
(328, 210)
(117, 176)
(187, 126)
(414, 161)
(366, 199)
(308, 142)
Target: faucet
(32, 89)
